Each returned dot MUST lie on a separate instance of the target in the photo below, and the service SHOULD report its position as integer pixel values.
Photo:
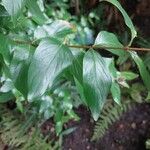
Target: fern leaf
(20, 134)
(110, 114)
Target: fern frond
(22, 134)
(110, 114)
(37, 142)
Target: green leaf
(14, 7)
(4, 48)
(128, 75)
(77, 65)
(76, 69)
(80, 90)
(127, 19)
(116, 93)
(19, 105)
(7, 86)
(36, 14)
(115, 89)
(46, 106)
(58, 28)
(19, 67)
(142, 69)
(50, 59)
(107, 39)
(96, 81)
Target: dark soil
(128, 133)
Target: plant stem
(93, 47)
(106, 47)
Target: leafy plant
(38, 55)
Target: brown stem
(107, 47)
(25, 42)
(94, 46)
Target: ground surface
(128, 133)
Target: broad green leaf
(142, 69)
(116, 92)
(127, 19)
(14, 7)
(96, 81)
(58, 28)
(5, 97)
(36, 14)
(19, 67)
(50, 59)
(108, 61)
(7, 86)
(76, 69)
(107, 39)
(4, 48)
(46, 106)
(77, 65)
(80, 90)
